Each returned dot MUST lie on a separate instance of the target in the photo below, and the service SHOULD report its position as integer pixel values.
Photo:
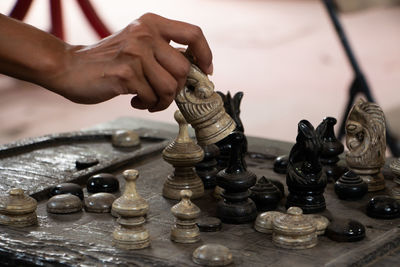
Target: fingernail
(210, 69)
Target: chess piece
(102, 182)
(99, 202)
(203, 108)
(345, 230)
(264, 221)
(67, 188)
(207, 168)
(183, 154)
(383, 207)
(185, 229)
(236, 207)
(85, 162)
(305, 183)
(64, 204)
(366, 141)
(18, 209)
(212, 255)
(225, 149)
(281, 164)
(350, 186)
(131, 209)
(395, 167)
(321, 222)
(331, 149)
(265, 195)
(294, 230)
(125, 139)
(209, 224)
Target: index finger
(191, 35)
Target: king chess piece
(183, 154)
(331, 149)
(207, 168)
(203, 108)
(131, 209)
(304, 179)
(366, 141)
(236, 206)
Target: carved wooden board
(84, 239)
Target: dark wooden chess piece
(281, 163)
(383, 207)
(304, 179)
(350, 186)
(331, 149)
(236, 207)
(207, 168)
(265, 195)
(347, 230)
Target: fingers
(188, 34)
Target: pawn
(131, 209)
(183, 154)
(265, 195)
(185, 229)
(18, 209)
(207, 169)
(331, 149)
(281, 164)
(350, 186)
(236, 207)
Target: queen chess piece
(236, 206)
(366, 141)
(131, 209)
(183, 154)
(331, 149)
(304, 179)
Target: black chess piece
(67, 188)
(345, 230)
(304, 179)
(236, 206)
(383, 207)
(281, 163)
(331, 149)
(232, 107)
(350, 186)
(207, 168)
(265, 195)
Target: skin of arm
(137, 60)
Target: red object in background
(21, 8)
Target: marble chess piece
(186, 212)
(366, 141)
(395, 167)
(17, 209)
(183, 153)
(304, 179)
(125, 139)
(131, 209)
(212, 255)
(236, 206)
(331, 149)
(293, 230)
(203, 108)
(64, 204)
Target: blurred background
(283, 54)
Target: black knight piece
(331, 149)
(207, 168)
(304, 180)
(236, 207)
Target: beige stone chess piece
(183, 154)
(203, 108)
(294, 230)
(131, 209)
(185, 229)
(366, 141)
(395, 167)
(18, 209)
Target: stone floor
(284, 56)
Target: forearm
(30, 54)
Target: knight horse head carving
(366, 137)
(203, 108)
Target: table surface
(84, 239)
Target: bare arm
(136, 60)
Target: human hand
(136, 60)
